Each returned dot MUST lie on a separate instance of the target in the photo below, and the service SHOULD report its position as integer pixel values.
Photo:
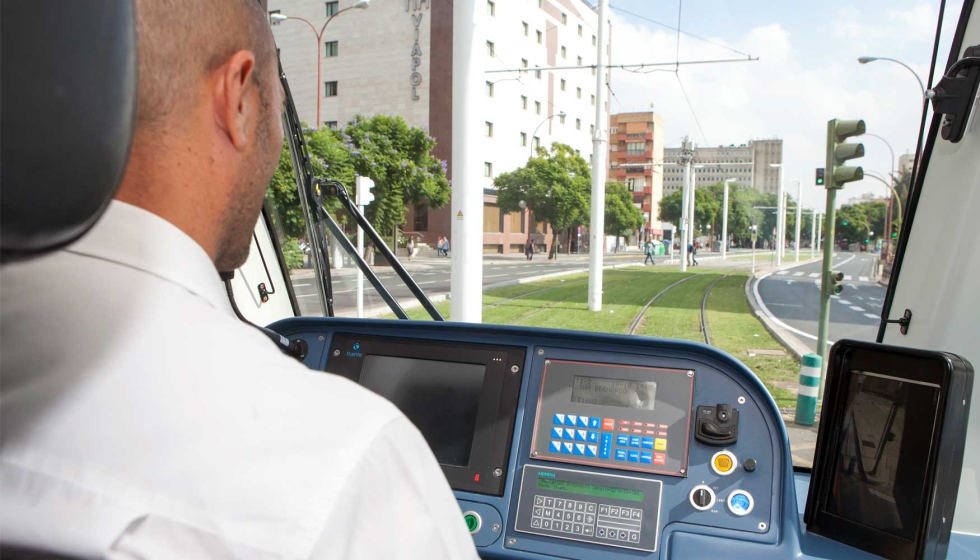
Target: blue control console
(618, 447)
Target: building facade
(749, 164)
(636, 152)
(395, 58)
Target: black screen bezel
(848, 358)
(497, 411)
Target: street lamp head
(362, 4)
(732, 180)
(775, 165)
(522, 204)
(278, 17)
(562, 114)
(867, 59)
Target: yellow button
(660, 444)
(723, 463)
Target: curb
(782, 335)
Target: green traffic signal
(867, 241)
(820, 175)
(845, 222)
(894, 234)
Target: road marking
(782, 273)
(797, 274)
(856, 308)
(814, 275)
(859, 297)
(870, 316)
(429, 282)
(863, 278)
(844, 301)
(848, 277)
(497, 275)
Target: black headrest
(68, 84)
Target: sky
(807, 73)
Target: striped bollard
(806, 399)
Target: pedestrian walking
(411, 248)
(692, 250)
(648, 250)
(440, 245)
(529, 250)
(445, 247)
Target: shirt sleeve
(396, 504)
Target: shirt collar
(134, 237)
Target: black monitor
(461, 397)
(889, 449)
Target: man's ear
(236, 97)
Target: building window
(527, 28)
(537, 107)
(579, 61)
(332, 8)
(488, 129)
(593, 101)
(635, 148)
(563, 84)
(491, 218)
(537, 73)
(490, 51)
(274, 21)
(487, 169)
(564, 52)
(523, 139)
(332, 125)
(523, 63)
(421, 221)
(330, 49)
(578, 124)
(593, 70)
(524, 102)
(491, 8)
(592, 129)
(537, 142)
(578, 92)
(330, 89)
(564, 18)
(561, 119)
(489, 89)
(540, 3)
(593, 40)
(517, 222)
(540, 37)
(580, 30)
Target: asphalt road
(793, 297)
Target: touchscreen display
(885, 437)
(440, 398)
(624, 393)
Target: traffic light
(839, 151)
(364, 194)
(894, 234)
(820, 171)
(845, 222)
(836, 277)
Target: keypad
(609, 438)
(587, 519)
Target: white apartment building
(395, 58)
(748, 163)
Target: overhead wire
(679, 30)
(691, 106)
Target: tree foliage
(862, 219)
(621, 217)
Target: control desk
(585, 445)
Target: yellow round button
(723, 463)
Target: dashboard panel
(597, 446)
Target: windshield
(712, 124)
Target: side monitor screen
(879, 475)
(440, 398)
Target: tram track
(639, 316)
(704, 301)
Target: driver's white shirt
(140, 418)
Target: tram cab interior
(581, 445)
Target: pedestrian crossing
(816, 277)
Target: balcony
(648, 207)
(621, 172)
(634, 157)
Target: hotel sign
(415, 8)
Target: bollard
(806, 399)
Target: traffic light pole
(825, 283)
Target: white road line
(870, 316)
(814, 275)
(429, 282)
(762, 304)
(497, 275)
(782, 273)
(859, 297)
(797, 274)
(848, 277)
(844, 301)
(863, 278)
(856, 308)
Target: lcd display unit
(889, 449)
(624, 393)
(461, 397)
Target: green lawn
(563, 303)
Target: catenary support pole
(597, 232)
(799, 216)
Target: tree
(670, 208)
(555, 186)
(862, 219)
(621, 217)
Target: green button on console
(472, 520)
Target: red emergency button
(659, 459)
(608, 423)
(624, 422)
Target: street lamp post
(888, 216)
(360, 5)
(780, 214)
(799, 215)
(926, 94)
(535, 133)
(724, 221)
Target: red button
(624, 429)
(637, 431)
(661, 433)
(650, 432)
(649, 425)
(624, 422)
(637, 423)
(662, 426)
(608, 424)
(659, 459)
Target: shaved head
(208, 131)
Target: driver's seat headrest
(69, 90)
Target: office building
(395, 58)
(636, 152)
(748, 163)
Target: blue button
(580, 435)
(583, 421)
(579, 449)
(606, 439)
(569, 433)
(570, 419)
(604, 452)
(620, 454)
(648, 443)
(622, 535)
(634, 456)
(634, 441)
(739, 502)
(593, 437)
(646, 457)
(622, 440)
(594, 422)
(602, 532)
(555, 446)
(590, 451)
(559, 419)
(567, 448)
(557, 432)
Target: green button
(472, 522)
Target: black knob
(749, 465)
(702, 498)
